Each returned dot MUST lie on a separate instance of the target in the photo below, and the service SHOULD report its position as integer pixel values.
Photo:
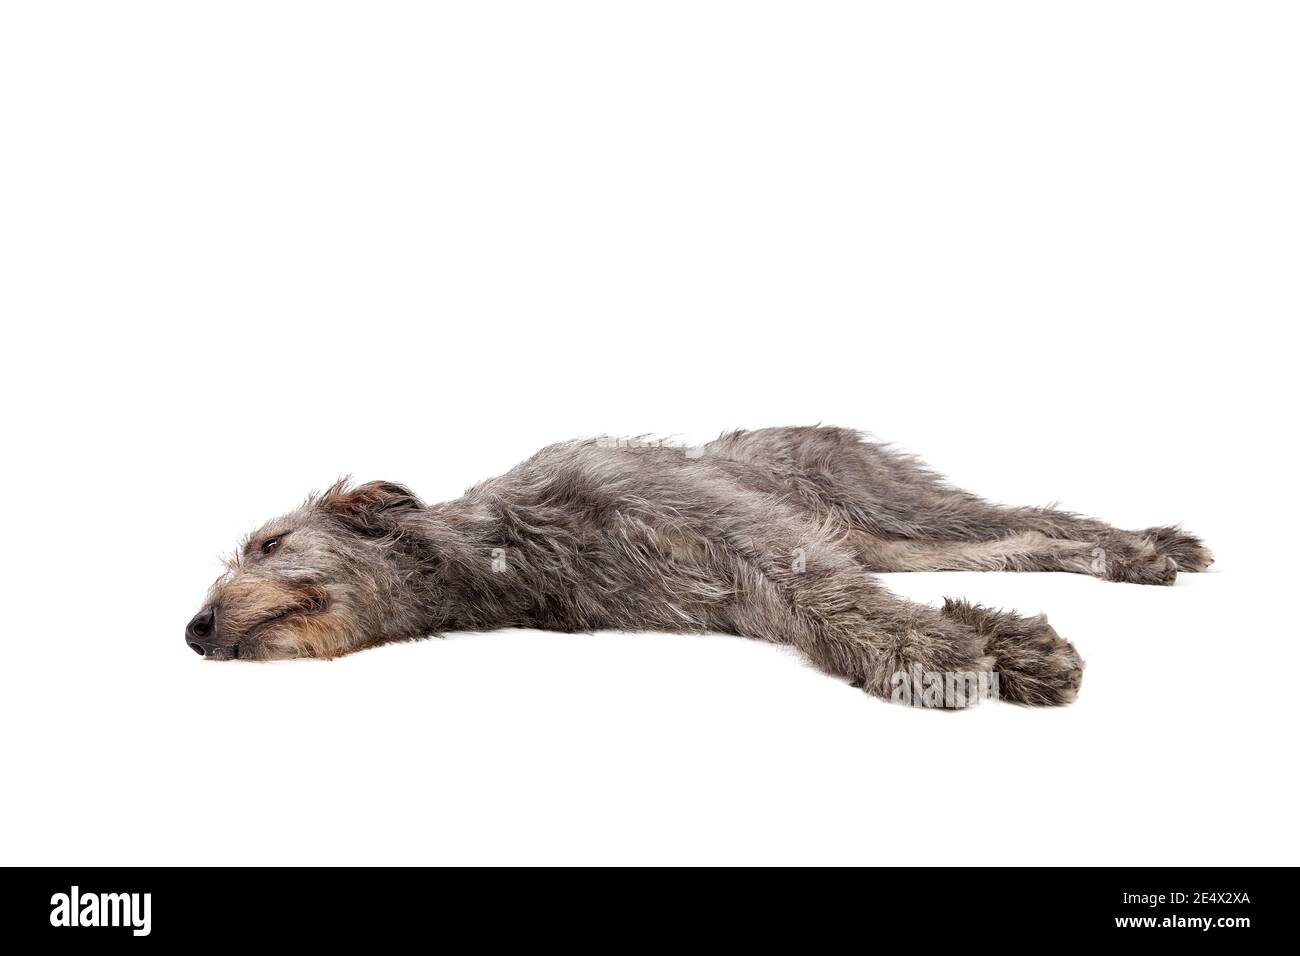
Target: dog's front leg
(848, 625)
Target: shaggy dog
(771, 534)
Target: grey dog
(770, 534)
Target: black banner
(914, 906)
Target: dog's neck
(459, 551)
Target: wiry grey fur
(770, 534)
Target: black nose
(199, 629)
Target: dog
(772, 534)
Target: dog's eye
(270, 544)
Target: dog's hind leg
(975, 533)
(1114, 556)
(917, 521)
(1150, 557)
(1025, 551)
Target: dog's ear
(366, 507)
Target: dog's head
(320, 581)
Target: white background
(248, 247)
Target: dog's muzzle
(200, 635)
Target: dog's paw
(1187, 551)
(1148, 568)
(1133, 557)
(1043, 670)
(1034, 665)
